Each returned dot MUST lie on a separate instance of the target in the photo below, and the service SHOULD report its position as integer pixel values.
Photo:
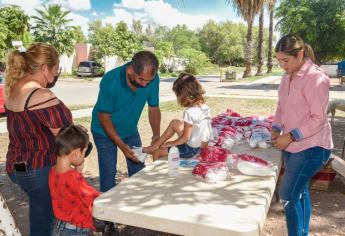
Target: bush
(163, 68)
(193, 60)
(191, 69)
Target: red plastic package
(211, 172)
(213, 154)
(250, 158)
(232, 113)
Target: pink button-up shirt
(302, 108)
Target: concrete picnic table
(186, 205)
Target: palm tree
(271, 4)
(248, 9)
(260, 42)
(51, 26)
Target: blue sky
(193, 13)
(219, 8)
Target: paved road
(77, 92)
(85, 92)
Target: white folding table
(186, 205)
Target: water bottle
(173, 161)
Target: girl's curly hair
(188, 90)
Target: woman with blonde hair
(34, 117)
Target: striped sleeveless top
(30, 138)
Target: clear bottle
(173, 161)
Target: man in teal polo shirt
(123, 93)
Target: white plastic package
(251, 165)
(252, 168)
(139, 153)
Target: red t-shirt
(72, 198)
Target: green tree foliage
(128, 43)
(223, 43)
(182, 38)
(137, 27)
(52, 26)
(27, 39)
(164, 51)
(14, 25)
(321, 23)
(16, 22)
(110, 41)
(155, 34)
(79, 35)
(271, 4)
(248, 9)
(256, 42)
(260, 43)
(193, 60)
(3, 36)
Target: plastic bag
(260, 136)
(138, 153)
(211, 172)
(229, 136)
(251, 165)
(213, 154)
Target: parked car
(2, 100)
(90, 68)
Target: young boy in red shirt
(72, 197)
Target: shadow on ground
(328, 207)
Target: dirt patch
(328, 207)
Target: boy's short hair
(70, 138)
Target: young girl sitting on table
(195, 129)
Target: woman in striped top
(34, 117)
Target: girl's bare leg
(175, 126)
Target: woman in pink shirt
(300, 128)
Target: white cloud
(131, 4)
(79, 5)
(78, 20)
(94, 13)
(74, 5)
(155, 12)
(28, 5)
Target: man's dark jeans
(107, 159)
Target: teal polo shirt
(123, 104)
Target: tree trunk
(260, 42)
(248, 50)
(270, 39)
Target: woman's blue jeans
(300, 167)
(35, 184)
(107, 159)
